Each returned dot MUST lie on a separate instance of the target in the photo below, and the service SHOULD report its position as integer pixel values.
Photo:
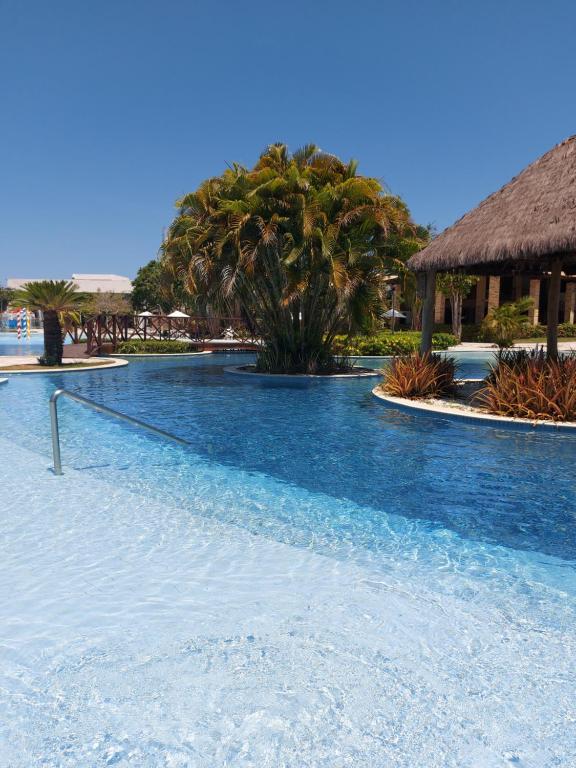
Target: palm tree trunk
(52, 338)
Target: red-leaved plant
(418, 375)
(528, 385)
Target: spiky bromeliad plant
(418, 375)
(531, 386)
(55, 299)
(299, 242)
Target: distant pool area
(10, 345)
(316, 581)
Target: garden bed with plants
(66, 367)
(521, 385)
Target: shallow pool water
(26, 345)
(318, 580)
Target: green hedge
(567, 330)
(387, 343)
(155, 347)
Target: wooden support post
(534, 311)
(429, 285)
(493, 292)
(570, 303)
(480, 303)
(439, 308)
(553, 308)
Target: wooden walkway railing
(107, 331)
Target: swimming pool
(318, 581)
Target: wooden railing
(110, 330)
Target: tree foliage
(157, 288)
(404, 248)
(300, 241)
(108, 303)
(147, 288)
(455, 286)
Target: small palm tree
(503, 324)
(55, 299)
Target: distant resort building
(85, 283)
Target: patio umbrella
(392, 314)
(146, 314)
(177, 313)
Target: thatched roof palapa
(523, 226)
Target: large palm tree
(300, 241)
(55, 299)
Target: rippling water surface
(317, 581)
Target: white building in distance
(85, 283)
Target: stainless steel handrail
(101, 409)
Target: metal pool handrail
(101, 409)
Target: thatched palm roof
(523, 225)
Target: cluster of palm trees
(301, 242)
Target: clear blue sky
(111, 110)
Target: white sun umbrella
(146, 314)
(177, 313)
(394, 313)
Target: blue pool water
(10, 345)
(318, 580)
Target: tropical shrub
(155, 347)
(387, 344)
(529, 385)
(300, 242)
(529, 331)
(566, 330)
(503, 324)
(443, 340)
(418, 375)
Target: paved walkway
(476, 346)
